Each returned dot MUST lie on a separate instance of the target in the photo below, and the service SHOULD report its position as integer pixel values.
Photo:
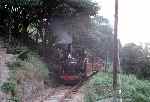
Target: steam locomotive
(75, 64)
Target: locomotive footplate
(69, 77)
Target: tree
(130, 56)
(97, 38)
(135, 60)
(36, 12)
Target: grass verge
(27, 76)
(132, 89)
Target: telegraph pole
(115, 52)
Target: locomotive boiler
(75, 64)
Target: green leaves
(24, 55)
(132, 89)
(14, 99)
(8, 87)
(21, 2)
(134, 60)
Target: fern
(23, 55)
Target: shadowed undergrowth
(28, 74)
(132, 89)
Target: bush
(32, 65)
(24, 55)
(135, 60)
(31, 69)
(14, 99)
(41, 67)
(8, 87)
(144, 71)
(132, 89)
(14, 65)
(136, 90)
(100, 87)
(16, 50)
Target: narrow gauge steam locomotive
(74, 64)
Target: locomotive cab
(71, 70)
(71, 64)
(74, 64)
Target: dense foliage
(27, 70)
(29, 63)
(97, 37)
(132, 89)
(135, 60)
(38, 13)
(33, 25)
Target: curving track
(66, 93)
(57, 94)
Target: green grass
(133, 89)
(31, 65)
(40, 66)
(8, 87)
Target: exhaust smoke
(61, 32)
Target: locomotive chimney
(69, 48)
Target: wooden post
(115, 52)
(106, 64)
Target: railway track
(66, 93)
(59, 95)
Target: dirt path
(58, 94)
